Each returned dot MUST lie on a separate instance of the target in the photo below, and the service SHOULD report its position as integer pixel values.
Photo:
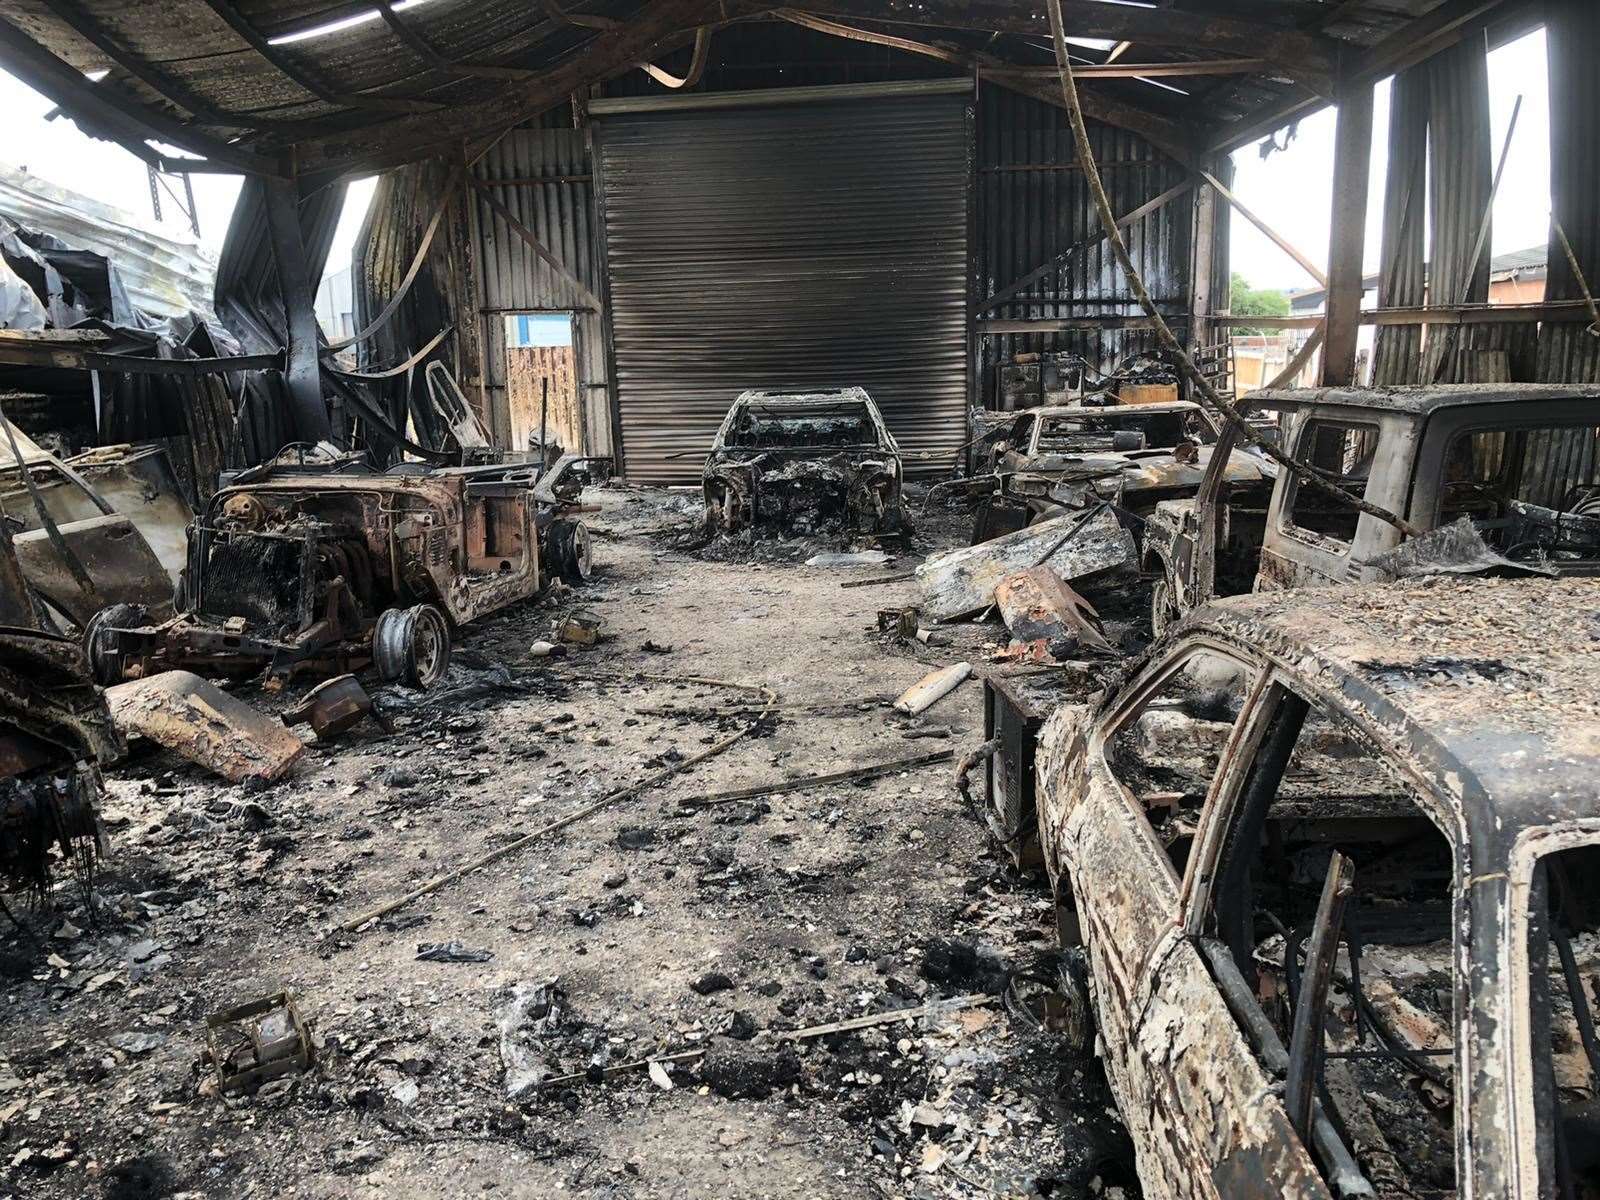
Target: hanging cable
(1323, 481)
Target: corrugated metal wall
(786, 248)
(1402, 273)
(1566, 353)
(1032, 203)
(553, 197)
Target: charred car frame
(1518, 460)
(1050, 460)
(301, 570)
(803, 463)
(1403, 783)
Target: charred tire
(411, 645)
(567, 543)
(1076, 1017)
(101, 644)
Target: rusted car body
(305, 571)
(1050, 460)
(1444, 737)
(803, 463)
(118, 511)
(1517, 459)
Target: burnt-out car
(1333, 860)
(1518, 461)
(1050, 460)
(300, 569)
(801, 463)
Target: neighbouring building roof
(1514, 264)
(163, 275)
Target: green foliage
(1246, 301)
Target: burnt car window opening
(1532, 491)
(1168, 751)
(1383, 1068)
(842, 424)
(1346, 449)
(1117, 429)
(1564, 979)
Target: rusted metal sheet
(138, 481)
(1078, 547)
(1032, 204)
(200, 722)
(1038, 607)
(755, 247)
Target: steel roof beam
(107, 115)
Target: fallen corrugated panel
(1079, 547)
(200, 722)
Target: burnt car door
(1304, 786)
(1146, 770)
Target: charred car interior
(901, 600)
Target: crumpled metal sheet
(1455, 549)
(202, 723)
(962, 581)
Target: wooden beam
(408, 138)
(1033, 325)
(1165, 70)
(1276, 238)
(1225, 139)
(1422, 38)
(1457, 314)
(1173, 139)
(105, 114)
(1352, 155)
(1310, 59)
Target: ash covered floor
(643, 929)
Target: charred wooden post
(1347, 239)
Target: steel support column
(1352, 154)
(303, 374)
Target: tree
(1246, 301)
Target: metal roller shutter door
(807, 246)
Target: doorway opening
(542, 384)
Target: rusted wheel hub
(411, 646)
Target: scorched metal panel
(787, 248)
